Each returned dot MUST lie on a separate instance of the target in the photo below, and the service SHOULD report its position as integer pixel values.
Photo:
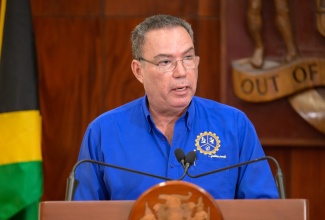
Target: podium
(286, 209)
(176, 200)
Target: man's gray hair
(154, 23)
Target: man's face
(172, 90)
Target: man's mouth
(181, 89)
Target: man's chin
(181, 103)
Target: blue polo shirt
(127, 136)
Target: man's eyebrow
(170, 56)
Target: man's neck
(165, 122)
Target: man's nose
(179, 70)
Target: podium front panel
(286, 209)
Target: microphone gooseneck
(227, 168)
(185, 161)
(279, 177)
(72, 182)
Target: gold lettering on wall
(277, 81)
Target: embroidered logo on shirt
(207, 143)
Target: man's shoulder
(212, 104)
(122, 111)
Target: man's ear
(137, 70)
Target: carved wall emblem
(300, 79)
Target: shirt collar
(147, 113)
(188, 115)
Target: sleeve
(255, 180)
(90, 176)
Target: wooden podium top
(287, 209)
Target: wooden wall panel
(180, 8)
(208, 8)
(303, 168)
(128, 8)
(70, 8)
(308, 173)
(70, 76)
(208, 47)
(146, 8)
(121, 84)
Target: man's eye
(164, 62)
(190, 57)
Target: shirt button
(171, 165)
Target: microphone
(186, 162)
(189, 159)
(72, 183)
(180, 156)
(279, 177)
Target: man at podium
(142, 135)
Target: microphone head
(190, 157)
(179, 153)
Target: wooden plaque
(175, 200)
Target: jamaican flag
(21, 177)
